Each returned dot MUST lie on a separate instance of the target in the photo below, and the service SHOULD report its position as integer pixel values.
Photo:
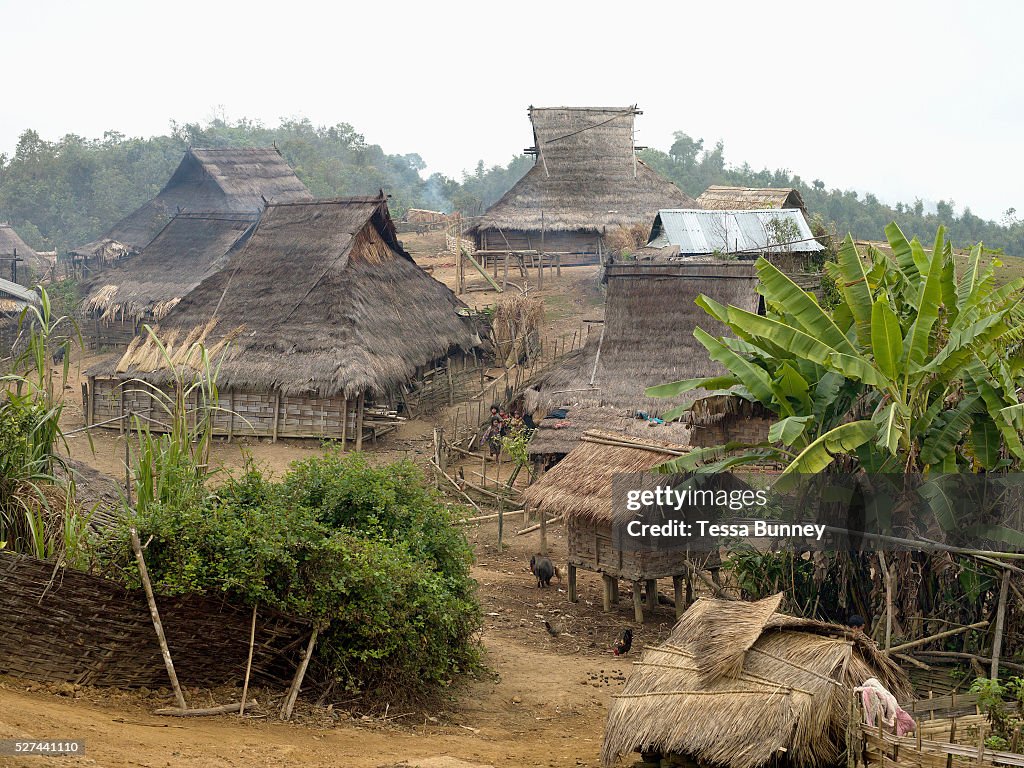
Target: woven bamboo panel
(66, 625)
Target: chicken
(624, 643)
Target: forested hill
(65, 193)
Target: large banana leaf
(887, 422)
(701, 458)
(941, 441)
(794, 387)
(902, 252)
(859, 369)
(984, 441)
(790, 339)
(788, 430)
(675, 388)
(969, 280)
(753, 377)
(963, 343)
(886, 337)
(801, 306)
(927, 312)
(818, 455)
(855, 289)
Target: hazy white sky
(899, 98)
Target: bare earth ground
(542, 701)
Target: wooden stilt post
(887, 574)
(248, 664)
(652, 593)
(344, 423)
(615, 591)
(231, 413)
(638, 602)
(997, 640)
(360, 401)
(677, 593)
(155, 615)
(573, 594)
(543, 532)
(606, 582)
(504, 275)
(277, 414)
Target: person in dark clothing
(856, 621)
(493, 437)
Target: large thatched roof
(322, 299)
(586, 176)
(650, 316)
(221, 180)
(580, 485)
(740, 685)
(727, 198)
(30, 265)
(188, 250)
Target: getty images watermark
(818, 512)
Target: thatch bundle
(223, 180)
(740, 685)
(189, 249)
(515, 327)
(322, 299)
(725, 198)
(560, 435)
(650, 316)
(586, 177)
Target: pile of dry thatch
(322, 299)
(515, 328)
(586, 177)
(740, 685)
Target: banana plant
(917, 368)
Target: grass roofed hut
(731, 198)
(647, 339)
(580, 488)
(320, 324)
(740, 685)
(14, 299)
(144, 288)
(19, 262)
(586, 181)
(222, 180)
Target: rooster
(624, 643)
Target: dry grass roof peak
(237, 180)
(718, 197)
(586, 176)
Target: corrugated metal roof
(14, 291)
(699, 232)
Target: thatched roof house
(19, 263)
(206, 180)
(586, 182)
(740, 685)
(14, 299)
(650, 317)
(580, 488)
(732, 198)
(147, 286)
(322, 303)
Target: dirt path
(542, 701)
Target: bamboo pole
(155, 615)
(939, 636)
(359, 421)
(300, 673)
(543, 533)
(248, 663)
(223, 709)
(997, 641)
(888, 599)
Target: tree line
(60, 194)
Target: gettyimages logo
(817, 512)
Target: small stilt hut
(580, 488)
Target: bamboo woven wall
(107, 334)
(731, 429)
(69, 626)
(591, 546)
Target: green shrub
(370, 554)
